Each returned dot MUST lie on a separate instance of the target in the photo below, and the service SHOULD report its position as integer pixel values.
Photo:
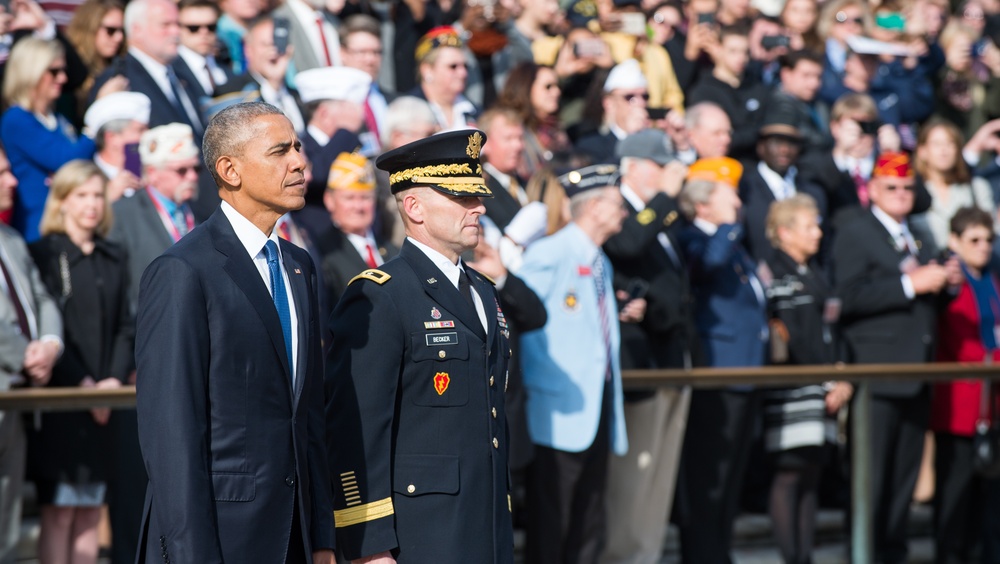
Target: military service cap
(447, 162)
(580, 180)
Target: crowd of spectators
(796, 182)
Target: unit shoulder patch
(373, 274)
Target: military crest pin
(570, 302)
(441, 381)
(435, 313)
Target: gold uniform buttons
(496, 443)
(491, 380)
(441, 354)
(494, 411)
(411, 488)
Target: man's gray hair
(230, 130)
(578, 203)
(404, 112)
(136, 13)
(696, 192)
(693, 115)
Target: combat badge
(435, 313)
(441, 381)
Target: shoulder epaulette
(373, 274)
(492, 281)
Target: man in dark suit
(648, 263)
(349, 245)
(890, 288)
(195, 63)
(624, 100)
(416, 378)
(155, 217)
(30, 345)
(266, 71)
(230, 393)
(774, 177)
(730, 316)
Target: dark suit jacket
(417, 425)
(341, 262)
(731, 320)
(321, 157)
(600, 147)
(231, 446)
(162, 111)
(139, 230)
(666, 338)
(880, 324)
(502, 207)
(757, 198)
(188, 78)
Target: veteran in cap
(416, 376)
(572, 373)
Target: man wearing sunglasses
(157, 216)
(890, 288)
(196, 62)
(626, 95)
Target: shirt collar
(169, 205)
(321, 138)
(894, 227)
(150, 64)
(501, 177)
(194, 60)
(773, 179)
(632, 198)
(708, 227)
(252, 238)
(448, 268)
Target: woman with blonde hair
(97, 32)
(38, 141)
(70, 454)
(442, 73)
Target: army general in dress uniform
(416, 377)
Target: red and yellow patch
(441, 381)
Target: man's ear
(227, 169)
(413, 206)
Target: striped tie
(600, 282)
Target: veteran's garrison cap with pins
(447, 162)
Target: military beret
(580, 180)
(447, 162)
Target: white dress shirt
(901, 238)
(201, 67)
(452, 271)
(783, 187)
(158, 72)
(361, 244)
(253, 239)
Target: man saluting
(416, 376)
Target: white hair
(405, 111)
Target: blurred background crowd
(794, 182)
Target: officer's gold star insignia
(441, 381)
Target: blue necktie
(280, 298)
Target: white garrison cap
(133, 106)
(166, 144)
(333, 83)
(626, 74)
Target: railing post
(861, 486)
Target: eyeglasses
(892, 187)
(112, 30)
(184, 170)
(195, 28)
(843, 18)
(56, 71)
(368, 52)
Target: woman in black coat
(70, 454)
(797, 421)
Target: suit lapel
(245, 275)
(440, 289)
(490, 305)
(300, 293)
(153, 218)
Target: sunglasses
(198, 27)
(893, 187)
(112, 30)
(842, 18)
(184, 170)
(56, 71)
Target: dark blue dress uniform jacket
(415, 413)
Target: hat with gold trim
(441, 36)
(351, 171)
(447, 162)
(580, 180)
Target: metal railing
(72, 399)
